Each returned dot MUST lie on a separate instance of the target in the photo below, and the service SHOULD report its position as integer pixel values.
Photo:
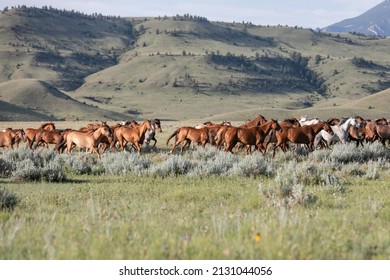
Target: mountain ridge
(374, 22)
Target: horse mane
(45, 124)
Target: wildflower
(257, 237)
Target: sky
(301, 13)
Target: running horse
(47, 137)
(254, 135)
(10, 136)
(301, 135)
(134, 135)
(151, 133)
(30, 132)
(88, 140)
(186, 135)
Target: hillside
(182, 67)
(375, 21)
(36, 100)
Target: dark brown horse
(300, 135)
(186, 135)
(87, 140)
(11, 136)
(30, 132)
(254, 135)
(133, 135)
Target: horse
(383, 132)
(259, 120)
(133, 135)
(340, 132)
(30, 132)
(88, 140)
(357, 134)
(300, 135)
(254, 135)
(370, 129)
(10, 136)
(304, 121)
(151, 133)
(47, 137)
(287, 123)
(188, 134)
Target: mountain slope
(37, 100)
(375, 21)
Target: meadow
(205, 204)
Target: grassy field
(203, 205)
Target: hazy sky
(303, 13)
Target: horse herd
(260, 133)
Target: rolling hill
(27, 97)
(67, 65)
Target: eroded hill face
(186, 67)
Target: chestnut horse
(254, 135)
(300, 135)
(30, 132)
(134, 135)
(89, 140)
(9, 137)
(187, 135)
(259, 120)
(47, 137)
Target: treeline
(36, 12)
(272, 72)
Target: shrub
(28, 165)
(252, 166)
(122, 163)
(8, 200)
(173, 165)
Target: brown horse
(287, 123)
(30, 132)
(254, 135)
(11, 136)
(370, 129)
(383, 132)
(259, 120)
(187, 135)
(47, 137)
(300, 135)
(133, 135)
(88, 140)
(356, 134)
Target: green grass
(143, 217)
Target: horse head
(327, 128)
(157, 125)
(275, 125)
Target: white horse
(340, 133)
(304, 121)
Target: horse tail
(173, 134)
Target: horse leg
(187, 142)
(174, 146)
